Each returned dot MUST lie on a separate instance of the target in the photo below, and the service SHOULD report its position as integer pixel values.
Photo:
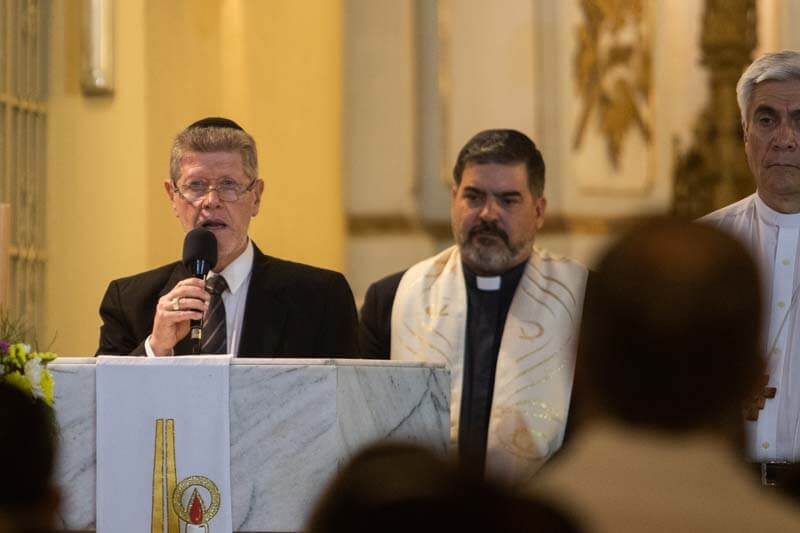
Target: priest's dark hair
(214, 134)
(671, 330)
(505, 147)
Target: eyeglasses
(227, 190)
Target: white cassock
(535, 363)
(772, 238)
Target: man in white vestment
(501, 313)
(668, 355)
(768, 223)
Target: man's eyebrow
(204, 177)
(470, 188)
(764, 108)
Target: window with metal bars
(24, 29)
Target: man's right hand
(188, 300)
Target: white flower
(33, 373)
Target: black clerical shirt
(486, 318)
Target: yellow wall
(274, 66)
(96, 172)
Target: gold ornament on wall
(613, 72)
(713, 171)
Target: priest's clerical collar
(770, 216)
(507, 279)
(488, 283)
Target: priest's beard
(487, 249)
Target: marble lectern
(293, 423)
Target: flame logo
(195, 508)
(195, 511)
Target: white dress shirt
(772, 237)
(237, 275)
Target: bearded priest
(499, 312)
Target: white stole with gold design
(535, 364)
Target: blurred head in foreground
(670, 338)
(28, 500)
(401, 488)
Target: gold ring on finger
(176, 304)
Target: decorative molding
(404, 225)
(589, 224)
(27, 253)
(23, 103)
(713, 172)
(612, 68)
(395, 225)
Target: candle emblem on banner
(173, 502)
(193, 510)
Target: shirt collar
(237, 272)
(770, 216)
(503, 281)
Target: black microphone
(199, 256)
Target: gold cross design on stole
(754, 405)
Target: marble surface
(294, 422)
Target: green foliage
(20, 365)
(12, 330)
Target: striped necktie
(215, 332)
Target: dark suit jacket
(291, 310)
(375, 327)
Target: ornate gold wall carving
(713, 172)
(613, 72)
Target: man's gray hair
(210, 139)
(779, 66)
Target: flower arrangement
(27, 370)
(20, 365)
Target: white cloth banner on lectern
(163, 445)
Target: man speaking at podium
(253, 304)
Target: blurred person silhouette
(392, 487)
(668, 356)
(28, 500)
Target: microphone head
(200, 251)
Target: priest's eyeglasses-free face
(227, 190)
